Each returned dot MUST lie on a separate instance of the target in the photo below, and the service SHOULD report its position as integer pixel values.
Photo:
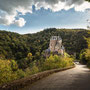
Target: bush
(55, 61)
(28, 71)
(32, 69)
(85, 54)
(6, 71)
(9, 69)
(20, 73)
(14, 65)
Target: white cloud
(57, 5)
(88, 20)
(20, 22)
(9, 8)
(83, 6)
(7, 19)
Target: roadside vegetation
(10, 71)
(85, 53)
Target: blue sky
(46, 18)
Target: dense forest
(22, 55)
(85, 53)
(16, 46)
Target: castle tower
(55, 43)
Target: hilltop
(16, 46)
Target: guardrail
(18, 84)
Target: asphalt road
(77, 78)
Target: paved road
(77, 78)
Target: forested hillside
(16, 46)
(22, 55)
(85, 53)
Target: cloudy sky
(28, 16)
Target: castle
(55, 46)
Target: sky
(31, 16)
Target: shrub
(20, 73)
(9, 69)
(55, 61)
(6, 71)
(14, 65)
(34, 69)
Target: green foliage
(28, 71)
(56, 61)
(20, 73)
(88, 64)
(6, 71)
(14, 65)
(24, 52)
(85, 54)
(9, 71)
(29, 58)
(16, 46)
(34, 69)
(82, 57)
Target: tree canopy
(16, 46)
(22, 55)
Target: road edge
(21, 83)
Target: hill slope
(16, 46)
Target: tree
(29, 57)
(6, 71)
(14, 65)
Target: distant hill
(16, 46)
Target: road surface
(77, 78)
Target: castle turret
(55, 43)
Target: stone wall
(18, 84)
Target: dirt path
(77, 78)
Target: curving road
(77, 78)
